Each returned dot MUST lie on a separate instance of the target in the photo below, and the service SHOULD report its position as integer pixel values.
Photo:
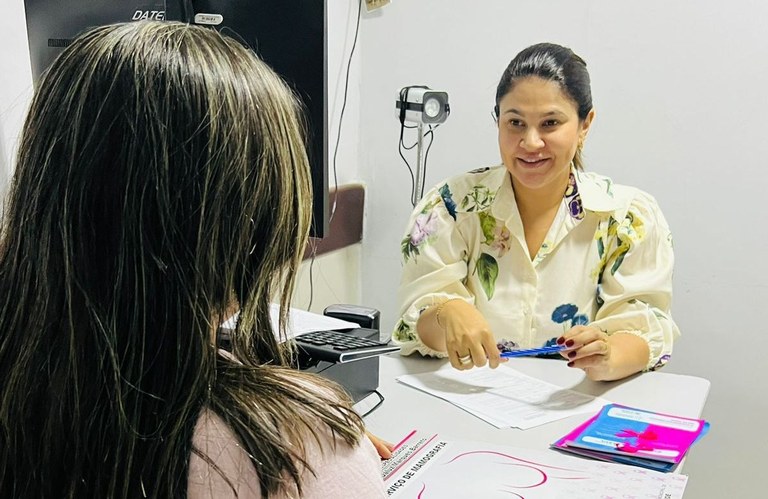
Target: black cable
(416, 196)
(335, 153)
(343, 108)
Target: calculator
(343, 346)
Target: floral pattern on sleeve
(615, 239)
(426, 223)
(403, 332)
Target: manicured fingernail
(560, 340)
(570, 364)
(569, 343)
(571, 354)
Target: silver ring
(467, 359)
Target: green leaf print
(487, 272)
(619, 259)
(478, 199)
(488, 226)
(403, 332)
(408, 249)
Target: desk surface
(405, 408)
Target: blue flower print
(450, 204)
(580, 320)
(564, 313)
(568, 315)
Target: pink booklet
(634, 436)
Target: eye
(550, 123)
(515, 123)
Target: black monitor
(290, 35)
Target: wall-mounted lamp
(418, 104)
(423, 106)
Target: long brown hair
(161, 177)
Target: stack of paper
(503, 396)
(634, 436)
(425, 465)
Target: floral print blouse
(606, 261)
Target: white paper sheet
(426, 466)
(503, 396)
(299, 321)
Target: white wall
(15, 83)
(680, 92)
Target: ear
(586, 124)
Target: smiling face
(539, 131)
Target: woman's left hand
(604, 357)
(588, 349)
(382, 447)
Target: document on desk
(299, 321)
(427, 465)
(503, 396)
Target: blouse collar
(586, 192)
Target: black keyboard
(343, 346)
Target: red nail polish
(560, 340)
(569, 343)
(571, 354)
(570, 364)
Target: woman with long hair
(162, 182)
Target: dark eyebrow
(545, 115)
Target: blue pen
(533, 351)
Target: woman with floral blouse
(536, 252)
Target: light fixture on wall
(423, 106)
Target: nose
(531, 140)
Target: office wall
(15, 83)
(680, 93)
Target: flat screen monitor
(290, 35)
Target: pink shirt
(340, 470)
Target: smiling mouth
(532, 163)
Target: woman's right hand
(468, 337)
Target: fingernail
(560, 340)
(571, 354)
(569, 343)
(570, 364)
